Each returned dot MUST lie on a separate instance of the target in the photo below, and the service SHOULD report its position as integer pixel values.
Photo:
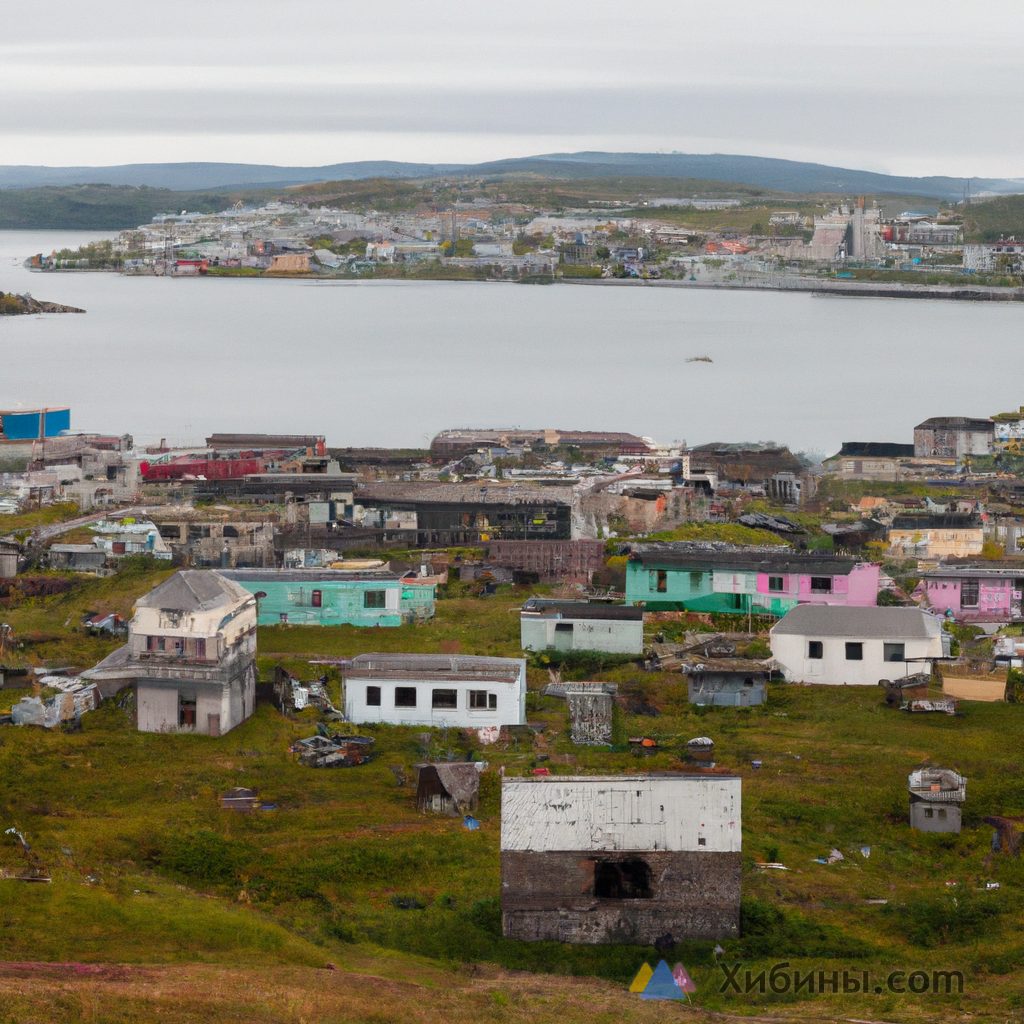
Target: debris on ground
(239, 798)
(333, 751)
(74, 700)
(946, 706)
(294, 695)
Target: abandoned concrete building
(190, 656)
(630, 858)
(935, 798)
(448, 787)
(726, 682)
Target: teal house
(334, 597)
(761, 581)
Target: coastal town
(513, 621)
(860, 245)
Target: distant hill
(764, 172)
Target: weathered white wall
(612, 636)
(510, 710)
(625, 812)
(790, 650)
(157, 708)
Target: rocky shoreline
(14, 305)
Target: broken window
(373, 696)
(284, 616)
(662, 584)
(969, 594)
(318, 598)
(481, 700)
(405, 696)
(151, 643)
(777, 583)
(445, 699)
(821, 584)
(815, 649)
(563, 627)
(622, 880)
(170, 531)
(929, 813)
(854, 652)
(179, 645)
(187, 713)
(374, 598)
(229, 531)
(894, 652)
(702, 841)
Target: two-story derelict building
(438, 690)
(763, 581)
(190, 656)
(975, 593)
(334, 597)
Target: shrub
(950, 917)
(771, 931)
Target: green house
(334, 597)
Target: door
(213, 725)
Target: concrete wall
(612, 636)
(551, 897)
(157, 707)
(791, 652)
(944, 817)
(510, 709)
(998, 599)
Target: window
(622, 880)
(374, 598)
(929, 813)
(969, 594)
(405, 696)
(151, 643)
(821, 584)
(701, 841)
(445, 699)
(854, 652)
(481, 700)
(229, 531)
(201, 647)
(318, 598)
(187, 713)
(777, 583)
(696, 581)
(815, 649)
(894, 652)
(284, 616)
(373, 696)
(563, 627)
(942, 812)
(179, 645)
(662, 585)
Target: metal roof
(580, 610)
(194, 590)
(434, 666)
(739, 561)
(872, 623)
(309, 575)
(972, 572)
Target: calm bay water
(392, 363)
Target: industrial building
(334, 597)
(437, 690)
(190, 656)
(580, 626)
(628, 858)
(953, 437)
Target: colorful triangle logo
(643, 976)
(662, 984)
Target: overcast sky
(905, 88)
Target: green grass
(110, 811)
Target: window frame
(404, 691)
(375, 599)
(373, 697)
(888, 650)
(854, 650)
(815, 650)
(817, 586)
(451, 696)
(776, 584)
(661, 581)
(973, 587)
(479, 700)
(317, 599)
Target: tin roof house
(444, 690)
(190, 656)
(627, 858)
(855, 646)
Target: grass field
(196, 913)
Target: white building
(625, 858)
(442, 690)
(581, 626)
(190, 656)
(854, 646)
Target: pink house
(973, 593)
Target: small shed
(728, 682)
(9, 551)
(448, 788)
(78, 557)
(935, 798)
